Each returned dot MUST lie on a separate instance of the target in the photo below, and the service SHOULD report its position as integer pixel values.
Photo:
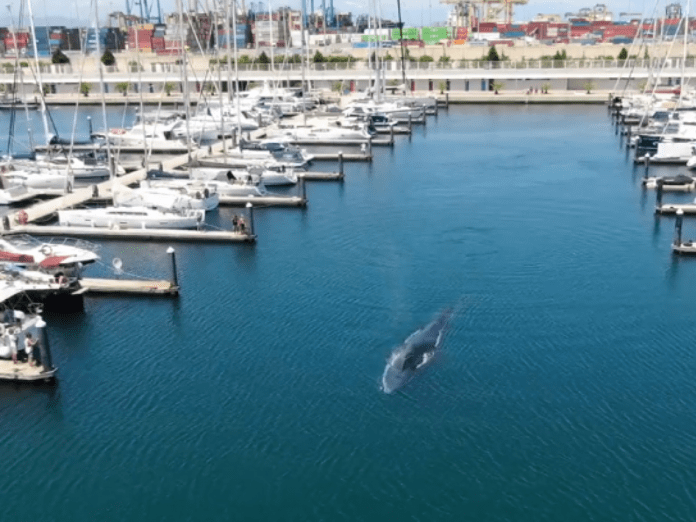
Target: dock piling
(678, 228)
(303, 189)
(175, 277)
(340, 163)
(89, 122)
(447, 100)
(647, 165)
(410, 123)
(250, 208)
(658, 195)
(44, 347)
(391, 133)
(369, 147)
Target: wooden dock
(145, 234)
(263, 201)
(687, 208)
(9, 371)
(127, 286)
(331, 156)
(321, 176)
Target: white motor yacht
(66, 255)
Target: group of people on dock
(238, 224)
(27, 351)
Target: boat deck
(23, 372)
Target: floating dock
(329, 156)
(9, 371)
(127, 286)
(263, 201)
(686, 208)
(321, 176)
(146, 234)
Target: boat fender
(206, 193)
(118, 131)
(22, 217)
(46, 250)
(198, 195)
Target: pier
(127, 286)
(9, 371)
(144, 234)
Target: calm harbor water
(564, 391)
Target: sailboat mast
(236, 66)
(100, 66)
(38, 71)
(184, 77)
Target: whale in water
(414, 353)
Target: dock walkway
(146, 234)
(9, 371)
(127, 286)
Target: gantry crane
(465, 11)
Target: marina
(369, 303)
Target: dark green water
(564, 390)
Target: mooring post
(628, 136)
(447, 100)
(369, 146)
(658, 197)
(340, 163)
(91, 131)
(250, 228)
(175, 276)
(678, 228)
(410, 122)
(647, 164)
(303, 189)
(391, 133)
(44, 346)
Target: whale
(415, 352)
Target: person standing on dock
(30, 348)
(10, 340)
(242, 225)
(235, 222)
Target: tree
(122, 87)
(59, 57)
(337, 86)
(263, 58)
(318, 57)
(244, 59)
(108, 58)
(545, 88)
(623, 54)
(444, 59)
(426, 59)
(646, 56)
(493, 55)
(588, 86)
(388, 57)
(442, 86)
(169, 87)
(497, 86)
(85, 88)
